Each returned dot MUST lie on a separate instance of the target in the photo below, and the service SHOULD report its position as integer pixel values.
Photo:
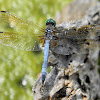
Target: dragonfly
(21, 35)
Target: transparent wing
(20, 41)
(84, 32)
(19, 34)
(80, 39)
(82, 46)
(12, 23)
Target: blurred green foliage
(19, 69)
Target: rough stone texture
(74, 75)
(77, 10)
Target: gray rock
(74, 75)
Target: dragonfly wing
(66, 45)
(19, 41)
(85, 32)
(83, 46)
(80, 39)
(12, 23)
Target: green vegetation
(21, 67)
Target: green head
(50, 21)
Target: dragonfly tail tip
(43, 79)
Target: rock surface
(74, 75)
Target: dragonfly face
(50, 24)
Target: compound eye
(50, 21)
